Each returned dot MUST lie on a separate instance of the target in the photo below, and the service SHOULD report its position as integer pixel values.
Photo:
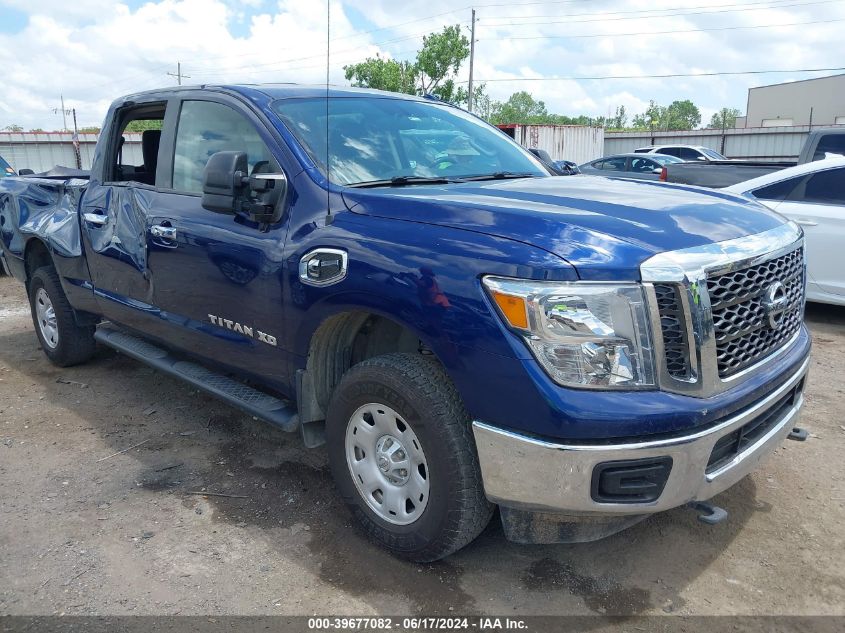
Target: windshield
(665, 160)
(712, 155)
(372, 139)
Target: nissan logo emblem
(775, 303)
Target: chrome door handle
(95, 218)
(163, 232)
(804, 222)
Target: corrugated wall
(563, 142)
(762, 143)
(40, 151)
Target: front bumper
(534, 475)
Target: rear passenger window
(133, 154)
(206, 128)
(779, 190)
(670, 151)
(826, 187)
(830, 143)
(685, 153)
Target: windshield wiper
(401, 181)
(499, 175)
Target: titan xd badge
(243, 329)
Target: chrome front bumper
(534, 475)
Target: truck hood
(604, 227)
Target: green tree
(89, 129)
(383, 74)
(724, 118)
(520, 107)
(620, 120)
(434, 70)
(37, 129)
(140, 125)
(682, 115)
(440, 59)
(13, 128)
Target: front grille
(739, 440)
(740, 325)
(675, 350)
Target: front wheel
(403, 457)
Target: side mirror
(267, 193)
(26, 172)
(222, 181)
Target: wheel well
(36, 255)
(340, 342)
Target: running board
(274, 410)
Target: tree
(89, 129)
(13, 128)
(433, 71)
(141, 125)
(682, 115)
(620, 120)
(383, 74)
(520, 107)
(37, 129)
(678, 115)
(724, 118)
(440, 59)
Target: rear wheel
(403, 457)
(64, 342)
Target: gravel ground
(84, 530)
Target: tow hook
(798, 434)
(710, 514)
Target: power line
(772, 4)
(666, 76)
(724, 28)
(604, 18)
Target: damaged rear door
(116, 209)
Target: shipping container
(578, 143)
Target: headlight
(583, 334)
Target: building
(816, 102)
(578, 143)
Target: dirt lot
(80, 534)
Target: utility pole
(64, 113)
(178, 74)
(471, 61)
(76, 142)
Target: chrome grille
(741, 329)
(673, 327)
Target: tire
(64, 342)
(412, 397)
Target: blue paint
(416, 256)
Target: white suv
(684, 152)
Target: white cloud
(92, 51)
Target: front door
(216, 277)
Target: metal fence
(760, 143)
(40, 151)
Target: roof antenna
(328, 155)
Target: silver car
(636, 166)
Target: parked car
(461, 329)
(5, 168)
(636, 166)
(812, 195)
(557, 167)
(718, 174)
(685, 152)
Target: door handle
(96, 219)
(804, 222)
(163, 232)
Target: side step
(274, 410)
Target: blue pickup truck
(396, 279)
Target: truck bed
(722, 173)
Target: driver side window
(206, 128)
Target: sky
(562, 51)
